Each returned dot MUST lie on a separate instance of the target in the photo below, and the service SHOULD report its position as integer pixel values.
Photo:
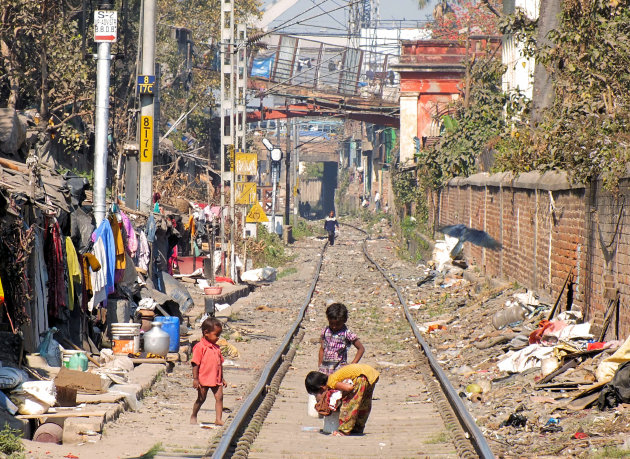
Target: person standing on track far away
(207, 369)
(330, 225)
(356, 382)
(377, 202)
(336, 339)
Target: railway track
(416, 411)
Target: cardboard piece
(82, 381)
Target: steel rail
(467, 422)
(250, 404)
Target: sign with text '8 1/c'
(146, 138)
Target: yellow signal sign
(256, 215)
(245, 192)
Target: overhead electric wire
(259, 36)
(319, 5)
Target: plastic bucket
(171, 326)
(125, 329)
(125, 344)
(125, 338)
(312, 401)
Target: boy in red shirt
(207, 369)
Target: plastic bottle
(74, 363)
(83, 361)
(509, 315)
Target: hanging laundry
(99, 278)
(119, 247)
(88, 262)
(151, 228)
(74, 271)
(190, 226)
(106, 257)
(132, 240)
(38, 302)
(143, 252)
(53, 252)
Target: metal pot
(156, 340)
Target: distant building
(431, 76)
(519, 73)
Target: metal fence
(314, 65)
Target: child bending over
(207, 369)
(336, 339)
(356, 383)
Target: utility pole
(296, 199)
(131, 163)
(233, 87)
(105, 31)
(226, 79)
(240, 125)
(287, 166)
(147, 111)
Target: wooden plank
(62, 414)
(139, 361)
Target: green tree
(182, 90)
(585, 130)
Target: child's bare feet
(218, 422)
(338, 433)
(193, 419)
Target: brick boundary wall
(546, 226)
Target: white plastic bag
(34, 397)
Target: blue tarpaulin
(261, 66)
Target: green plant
(442, 437)
(302, 229)
(477, 126)
(612, 452)
(155, 449)
(271, 251)
(10, 441)
(314, 171)
(89, 175)
(286, 272)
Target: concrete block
(145, 374)
(80, 430)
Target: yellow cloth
(190, 225)
(92, 261)
(609, 366)
(353, 371)
(121, 261)
(1, 293)
(74, 271)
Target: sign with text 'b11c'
(105, 26)
(146, 139)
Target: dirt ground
(160, 427)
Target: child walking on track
(330, 225)
(336, 339)
(207, 369)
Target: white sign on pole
(105, 26)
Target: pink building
(431, 77)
